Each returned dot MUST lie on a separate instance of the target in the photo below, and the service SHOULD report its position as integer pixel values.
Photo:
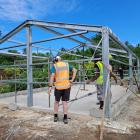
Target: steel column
(84, 86)
(15, 84)
(105, 59)
(138, 65)
(79, 72)
(130, 69)
(29, 69)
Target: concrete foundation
(85, 106)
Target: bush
(5, 89)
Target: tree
(130, 46)
(13, 51)
(96, 39)
(24, 50)
(137, 50)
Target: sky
(122, 16)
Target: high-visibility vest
(110, 68)
(62, 75)
(99, 80)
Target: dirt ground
(26, 124)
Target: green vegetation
(40, 72)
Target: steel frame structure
(75, 30)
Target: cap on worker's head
(57, 58)
(110, 57)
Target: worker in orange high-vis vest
(60, 72)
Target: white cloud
(19, 10)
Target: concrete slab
(85, 106)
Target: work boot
(65, 119)
(55, 117)
(101, 104)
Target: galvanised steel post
(29, 69)
(84, 85)
(79, 72)
(138, 65)
(130, 69)
(105, 59)
(15, 82)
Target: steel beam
(110, 49)
(60, 51)
(66, 52)
(72, 49)
(29, 69)
(7, 66)
(13, 81)
(76, 47)
(70, 61)
(22, 55)
(13, 32)
(10, 47)
(120, 62)
(58, 33)
(105, 59)
(114, 54)
(60, 37)
(45, 40)
(124, 56)
(67, 26)
(82, 36)
(114, 37)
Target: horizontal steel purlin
(49, 39)
(58, 33)
(70, 61)
(15, 46)
(45, 63)
(120, 62)
(113, 36)
(7, 66)
(13, 81)
(50, 49)
(60, 37)
(121, 55)
(22, 55)
(72, 49)
(111, 49)
(63, 52)
(82, 36)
